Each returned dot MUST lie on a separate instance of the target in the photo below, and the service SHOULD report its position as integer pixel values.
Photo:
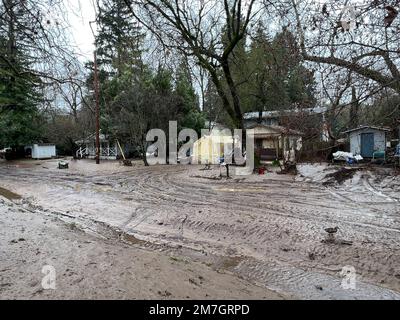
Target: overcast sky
(80, 13)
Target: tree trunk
(144, 155)
(354, 120)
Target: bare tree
(39, 28)
(72, 96)
(361, 37)
(195, 28)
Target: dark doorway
(367, 145)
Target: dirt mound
(9, 194)
(340, 176)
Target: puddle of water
(9, 194)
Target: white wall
(43, 152)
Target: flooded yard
(266, 230)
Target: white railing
(81, 152)
(108, 152)
(104, 152)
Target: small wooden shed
(366, 140)
(41, 151)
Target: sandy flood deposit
(246, 237)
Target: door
(367, 145)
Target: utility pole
(96, 93)
(96, 90)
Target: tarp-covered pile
(347, 156)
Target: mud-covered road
(268, 230)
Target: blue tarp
(397, 151)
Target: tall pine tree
(19, 87)
(119, 40)
(119, 51)
(190, 115)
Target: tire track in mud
(152, 185)
(278, 223)
(213, 228)
(374, 191)
(148, 188)
(314, 285)
(284, 210)
(281, 278)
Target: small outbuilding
(367, 140)
(41, 151)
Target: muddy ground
(265, 232)
(88, 267)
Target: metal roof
(368, 127)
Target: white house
(274, 118)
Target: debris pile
(346, 156)
(340, 176)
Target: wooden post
(122, 151)
(277, 148)
(96, 88)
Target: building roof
(92, 137)
(45, 144)
(368, 127)
(278, 113)
(277, 129)
(40, 144)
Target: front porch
(90, 153)
(275, 142)
(87, 150)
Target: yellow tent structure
(211, 148)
